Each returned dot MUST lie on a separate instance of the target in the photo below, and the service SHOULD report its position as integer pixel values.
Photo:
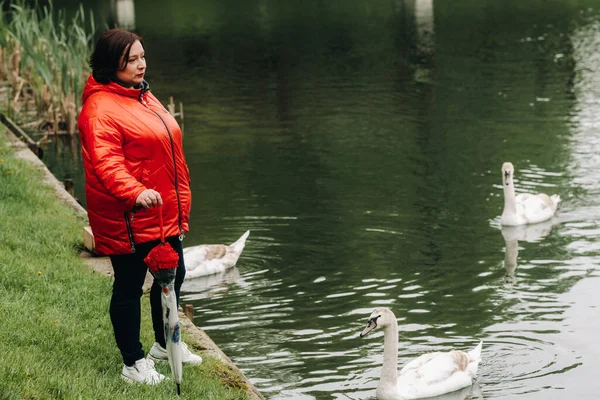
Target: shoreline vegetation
(44, 60)
(57, 337)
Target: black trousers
(125, 309)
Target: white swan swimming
(429, 375)
(208, 259)
(524, 208)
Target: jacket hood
(92, 86)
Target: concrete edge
(201, 340)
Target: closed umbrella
(162, 262)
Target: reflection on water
(584, 117)
(213, 285)
(124, 13)
(62, 155)
(512, 235)
(360, 142)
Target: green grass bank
(56, 336)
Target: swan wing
(194, 256)
(205, 259)
(438, 367)
(418, 362)
(535, 201)
(534, 208)
(215, 251)
(435, 374)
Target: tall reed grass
(44, 57)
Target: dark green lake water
(361, 143)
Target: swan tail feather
(555, 199)
(475, 354)
(239, 244)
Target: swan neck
(509, 196)
(389, 370)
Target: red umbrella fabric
(163, 259)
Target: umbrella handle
(160, 217)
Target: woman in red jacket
(134, 162)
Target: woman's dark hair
(106, 58)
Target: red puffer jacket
(131, 143)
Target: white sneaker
(142, 372)
(159, 353)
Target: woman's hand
(148, 198)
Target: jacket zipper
(129, 232)
(181, 235)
